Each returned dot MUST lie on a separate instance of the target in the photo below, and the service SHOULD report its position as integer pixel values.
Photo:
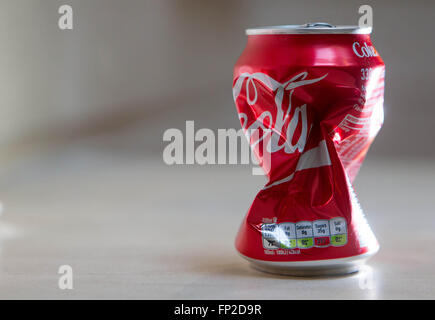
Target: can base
(331, 267)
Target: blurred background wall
(133, 68)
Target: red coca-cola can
(313, 93)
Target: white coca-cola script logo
(275, 130)
(364, 51)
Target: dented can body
(314, 96)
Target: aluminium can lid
(310, 28)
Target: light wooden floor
(131, 227)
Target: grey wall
(127, 63)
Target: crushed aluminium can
(313, 94)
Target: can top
(310, 28)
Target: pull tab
(318, 25)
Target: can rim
(309, 28)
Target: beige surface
(132, 227)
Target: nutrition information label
(304, 234)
